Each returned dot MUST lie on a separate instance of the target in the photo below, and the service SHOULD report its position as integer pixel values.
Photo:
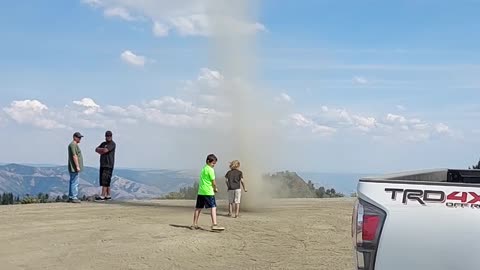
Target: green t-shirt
(74, 149)
(205, 185)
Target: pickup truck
(421, 220)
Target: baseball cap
(77, 134)
(108, 133)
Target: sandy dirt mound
(293, 234)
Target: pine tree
(476, 167)
(321, 192)
(311, 186)
(4, 198)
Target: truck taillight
(367, 225)
(370, 227)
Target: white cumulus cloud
(210, 78)
(119, 12)
(394, 118)
(160, 29)
(93, 3)
(32, 112)
(441, 128)
(164, 111)
(193, 25)
(133, 59)
(284, 97)
(89, 105)
(302, 121)
(364, 123)
(207, 88)
(394, 126)
(360, 80)
(185, 17)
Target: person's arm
(243, 185)
(242, 182)
(75, 160)
(105, 148)
(109, 147)
(101, 149)
(214, 184)
(226, 180)
(73, 150)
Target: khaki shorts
(234, 196)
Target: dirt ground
(292, 234)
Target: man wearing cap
(106, 150)
(75, 166)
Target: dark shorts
(204, 201)
(105, 176)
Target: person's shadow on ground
(190, 228)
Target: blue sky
(363, 86)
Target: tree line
(475, 167)
(10, 198)
(282, 184)
(322, 192)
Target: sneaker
(217, 228)
(108, 198)
(74, 201)
(99, 198)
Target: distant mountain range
(130, 184)
(126, 184)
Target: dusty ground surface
(293, 234)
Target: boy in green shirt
(206, 193)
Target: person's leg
(230, 203)
(108, 181)
(212, 204)
(237, 209)
(74, 186)
(238, 196)
(213, 214)
(230, 209)
(100, 182)
(102, 196)
(70, 186)
(196, 216)
(198, 209)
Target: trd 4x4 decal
(456, 199)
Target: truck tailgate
(427, 226)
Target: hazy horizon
(181, 169)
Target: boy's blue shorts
(204, 201)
